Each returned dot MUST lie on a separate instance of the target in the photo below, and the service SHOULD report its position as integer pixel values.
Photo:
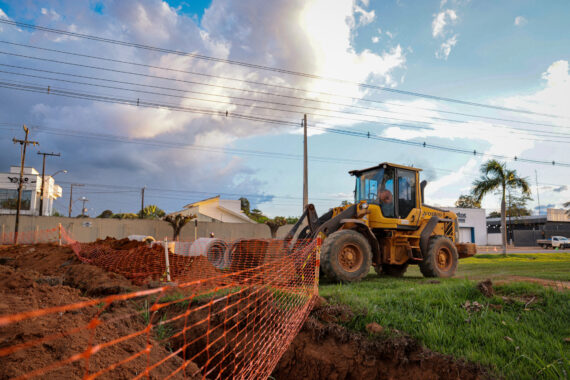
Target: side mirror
(422, 187)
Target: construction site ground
(367, 330)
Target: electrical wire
(142, 103)
(277, 86)
(268, 68)
(520, 131)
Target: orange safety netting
(205, 309)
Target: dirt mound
(21, 291)
(327, 350)
(486, 288)
(58, 265)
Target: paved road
(520, 250)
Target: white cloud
(389, 34)
(441, 20)
(445, 48)
(520, 21)
(375, 39)
(365, 17)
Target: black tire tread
(327, 266)
(428, 266)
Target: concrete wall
(90, 229)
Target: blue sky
(513, 54)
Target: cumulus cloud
(560, 189)
(520, 21)
(375, 39)
(445, 48)
(441, 20)
(289, 34)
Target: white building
(216, 210)
(472, 225)
(31, 190)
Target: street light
(59, 171)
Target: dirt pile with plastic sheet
(324, 349)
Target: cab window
(406, 192)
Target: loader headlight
(364, 205)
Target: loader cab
(394, 188)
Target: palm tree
(496, 176)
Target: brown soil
(44, 275)
(327, 350)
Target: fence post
(166, 258)
(195, 229)
(59, 233)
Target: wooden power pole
(23, 143)
(71, 196)
(43, 179)
(305, 166)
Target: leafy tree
(344, 203)
(567, 205)
(516, 205)
(467, 201)
(106, 214)
(245, 205)
(258, 216)
(56, 213)
(177, 222)
(274, 225)
(292, 219)
(126, 215)
(152, 212)
(496, 176)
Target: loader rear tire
(346, 256)
(441, 258)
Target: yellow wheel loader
(388, 227)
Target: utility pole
(537, 195)
(83, 199)
(71, 196)
(305, 166)
(23, 144)
(43, 178)
(142, 202)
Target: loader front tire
(346, 256)
(441, 258)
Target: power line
(276, 86)
(538, 133)
(267, 68)
(176, 145)
(142, 103)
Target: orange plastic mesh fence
(207, 309)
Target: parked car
(555, 242)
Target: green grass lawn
(521, 335)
